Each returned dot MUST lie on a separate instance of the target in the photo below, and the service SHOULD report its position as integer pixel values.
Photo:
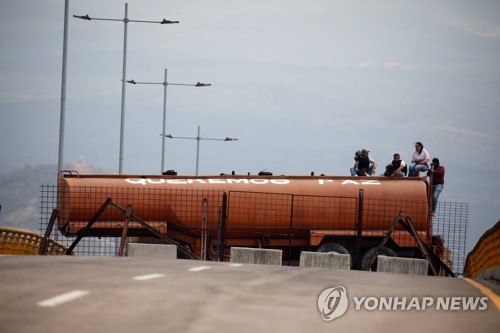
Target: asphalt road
(112, 294)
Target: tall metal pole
(124, 77)
(60, 160)
(125, 20)
(198, 150)
(165, 84)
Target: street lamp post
(62, 114)
(198, 139)
(125, 20)
(165, 83)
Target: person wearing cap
(437, 173)
(364, 165)
(419, 160)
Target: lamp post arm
(213, 139)
(106, 19)
(88, 18)
(181, 84)
(179, 137)
(161, 22)
(199, 84)
(126, 20)
(172, 84)
(198, 138)
(137, 82)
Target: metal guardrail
(486, 253)
(22, 242)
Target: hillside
(20, 193)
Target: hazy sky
(302, 84)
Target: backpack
(357, 155)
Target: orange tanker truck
(292, 213)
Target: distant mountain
(20, 192)
(20, 195)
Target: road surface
(124, 294)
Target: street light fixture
(165, 83)
(198, 139)
(125, 20)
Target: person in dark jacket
(437, 173)
(364, 165)
(397, 167)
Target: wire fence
(451, 224)
(287, 221)
(88, 246)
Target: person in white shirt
(419, 160)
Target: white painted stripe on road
(199, 268)
(235, 265)
(148, 277)
(63, 298)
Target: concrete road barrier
(245, 255)
(152, 250)
(402, 265)
(325, 260)
(490, 274)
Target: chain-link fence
(88, 246)
(286, 221)
(450, 224)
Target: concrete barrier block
(152, 250)
(496, 274)
(402, 265)
(325, 260)
(486, 274)
(245, 255)
(490, 274)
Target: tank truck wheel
(368, 256)
(333, 247)
(337, 248)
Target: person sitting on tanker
(397, 167)
(419, 160)
(364, 165)
(437, 173)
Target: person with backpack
(364, 165)
(397, 167)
